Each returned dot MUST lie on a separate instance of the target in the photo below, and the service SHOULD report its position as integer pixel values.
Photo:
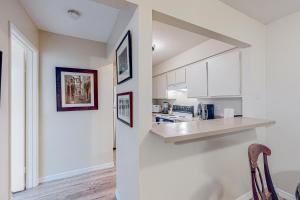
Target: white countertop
(203, 129)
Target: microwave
(156, 108)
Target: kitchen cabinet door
(160, 87)
(171, 76)
(180, 75)
(154, 88)
(224, 75)
(196, 80)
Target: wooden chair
(258, 188)
(298, 192)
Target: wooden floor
(98, 185)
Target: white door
(196, 80)
(18, 104)
(224, 75)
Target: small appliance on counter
(156, 108)
(165, 108)
(206, 111)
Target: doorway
(23, 112)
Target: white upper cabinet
(176, 76)
(160, 87)
(219, 76)
(171, 78)
(196, 80)
(154, 87)
(180, 75)
(224, 75)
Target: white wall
(122, 21)
(10, 10)
(200, 52)
(199, 170)
(127, 140)
(79, 139)
(283, 97)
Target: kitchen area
(196, 86)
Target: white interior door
(18, 121)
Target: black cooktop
(183, 109)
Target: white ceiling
(96, 22)
(171, 41)
(265, 11)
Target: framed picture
(76, 89)
(0, 71)
(124, 59)
(125, 108)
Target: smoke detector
(74, 14)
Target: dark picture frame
(124, 59)
(73, 77)
(125, 109)
(1, 53)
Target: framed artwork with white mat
(76, 89)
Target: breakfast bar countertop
(203, 129)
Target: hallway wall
(76, 140)
(10, 11)
(126, 137)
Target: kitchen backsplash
(178, 97)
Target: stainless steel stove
(179, 114)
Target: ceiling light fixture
(157, 46)
(153, 47)
(74, 14)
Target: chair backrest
(298, 192)
(258, 188)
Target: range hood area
(178, 87)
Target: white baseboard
(246, 196)
(76, 172)
(117, 195)
(281, 193)
(285, 195)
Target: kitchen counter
(204, 129)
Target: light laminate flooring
(98, 185)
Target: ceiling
(265, 11)
(170, 41)
(51, 15)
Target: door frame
(32, 110)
